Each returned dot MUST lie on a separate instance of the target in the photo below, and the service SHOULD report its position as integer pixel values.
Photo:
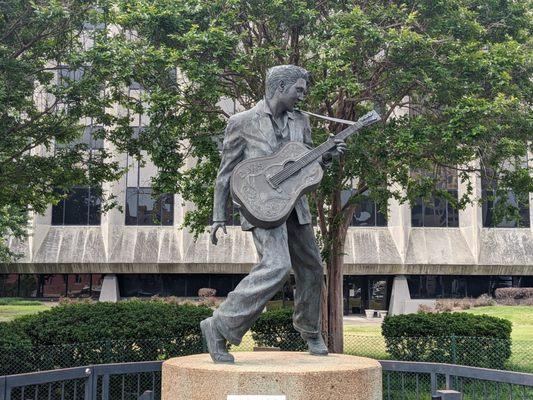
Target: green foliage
(274, 329)
(85, 333)
(460, 68)
(456, 338)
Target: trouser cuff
(224, 332)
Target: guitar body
(260, 202)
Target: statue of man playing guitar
(258, 132)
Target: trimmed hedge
(91, 333)
(456, 338)
(274, 329)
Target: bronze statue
(257, 132)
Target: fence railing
(94, 382)
(142, 380)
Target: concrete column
(110, 290)
(470, 219)
(399, 295)
(399, 224)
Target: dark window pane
(195, 283)
(167, 209)
(77, 207)
(79, 285)
(365, 215)
(9, 285)
(174, 285)
(57, 213)
(131, 206)
(54, 285)
(491, 202)
(29, 286)
(96, 285)
(417, 213)
(94, 208)
(145, 208)
(232, 211)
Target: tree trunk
(335, 295)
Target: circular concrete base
(298, 376)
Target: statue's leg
(237, 313)
(308, 276)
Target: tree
(460, 67)
(51, 83)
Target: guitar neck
(330, 143)
(314, 154)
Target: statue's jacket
(250, 134)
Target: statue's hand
(214, 229)
(340, 149)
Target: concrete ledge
(298, 376)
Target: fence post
(147, 395)
(447, 395)
(89, 384)
(454, 349)
(2, 387)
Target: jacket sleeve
(232, 154)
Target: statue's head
(286, 84)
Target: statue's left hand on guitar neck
(339, 150)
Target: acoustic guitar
(267, 188)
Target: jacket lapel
(294, 129)
(264, 125)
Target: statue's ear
(281, 86)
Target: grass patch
(14, 301)
(11, 308)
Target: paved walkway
(361, 320)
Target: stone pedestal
(298, 376)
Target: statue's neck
(276, 108)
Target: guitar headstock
(369, 118)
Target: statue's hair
(288, 74)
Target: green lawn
(12, 308)
(520, 316)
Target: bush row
(513, 293)
(84, 333)
(456, 338)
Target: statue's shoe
(316, 345)
(216, 343)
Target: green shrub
(274, 329)
(90, 333)
(15, 349)
(456, 338)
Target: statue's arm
(232, 154)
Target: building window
(232, 212)
(82, 206)
(437, 211)
(367, 212)
(142, 208)
(492, 202)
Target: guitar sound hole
(288, 164)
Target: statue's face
(291, 95)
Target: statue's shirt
(282, 130)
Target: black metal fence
(454, 350)
(142, 380)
